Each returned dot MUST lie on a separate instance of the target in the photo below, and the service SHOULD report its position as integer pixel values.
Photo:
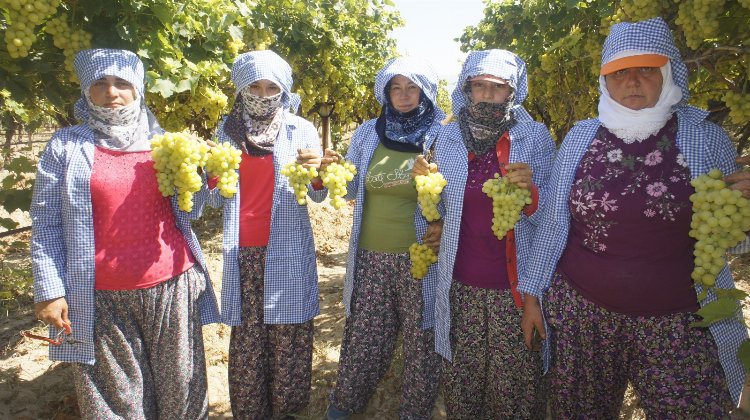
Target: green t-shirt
(390, 201)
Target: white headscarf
(631, 125)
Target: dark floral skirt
(386, 299)
(270, 365)
(673, 367)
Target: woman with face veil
(269, 292)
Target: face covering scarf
(404, 131)
(125, 129)
(483, 123)
(255, 122)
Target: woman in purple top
(613, 248)
(487, 370)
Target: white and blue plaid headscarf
(128, 128)
(256, 65)
(650, 36)
(483, 123)
(404, 131)
(631, 39)
(499, 63)
(418, 71)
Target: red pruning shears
(64, 336)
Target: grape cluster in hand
(223, 161)
(429, 188)
(335, 176)
(421, 257)
(507, 202)
(299, 176)
(721, 218)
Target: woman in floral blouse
(612, 258)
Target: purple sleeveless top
(480, 259)
(628, 248)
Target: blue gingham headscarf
(404, 131)
(256, 65)
(92, 65)
(499, 63)
(650, 36)
(416, 70)
(632, 39)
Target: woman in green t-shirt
(380, 295)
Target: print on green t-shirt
(390, 201)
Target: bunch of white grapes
(177, 157)
(739, 106)
(421, 257)
(67, 39)
(429, 188)
(299, 177)
(507, 202)
(699, 20)
(22, 18)
(637, 10)
(721, 218)
(223, 161)
(335, 176)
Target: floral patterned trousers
(673, 367)
(149, 354)
(493, 375)
(270, 365)
(386, 299)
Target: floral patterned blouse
(628, 248)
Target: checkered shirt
(290, 294)
(256, 65)
(530, 142)
(62, 238)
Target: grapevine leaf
(243, 8)
(163, 13)
(21, 164)
(731, 294)
(715, 311)
(164, 87)
(235, 31)
(185, 85)
(702, 295)
(17, 199)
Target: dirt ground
(32, 387)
